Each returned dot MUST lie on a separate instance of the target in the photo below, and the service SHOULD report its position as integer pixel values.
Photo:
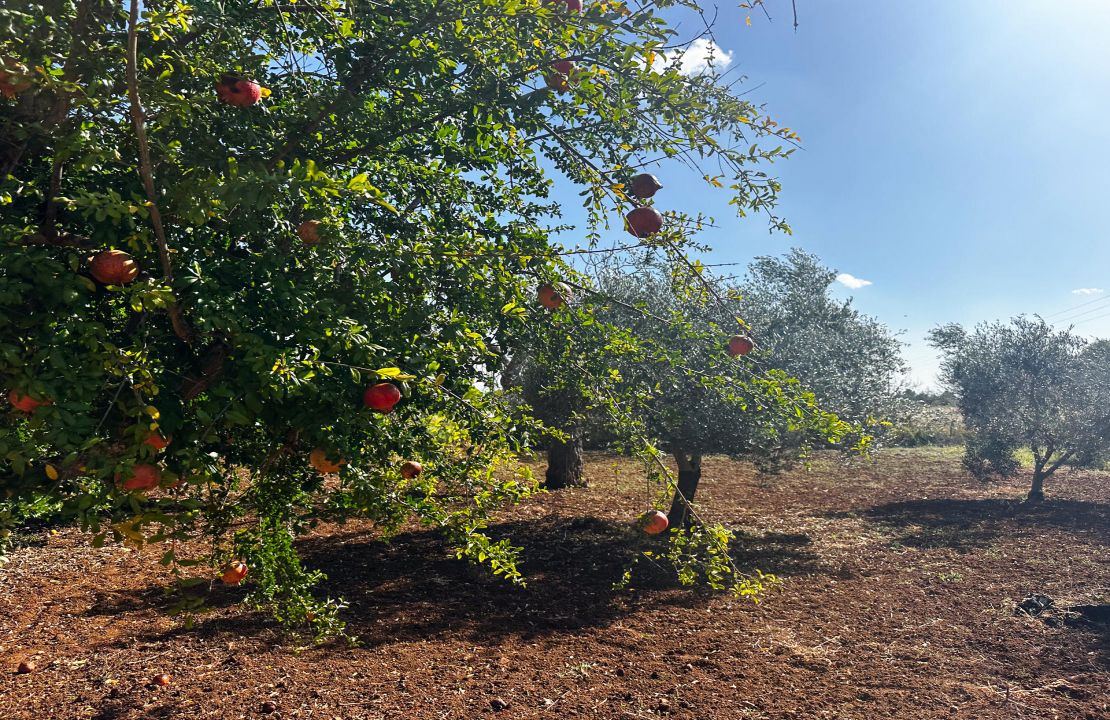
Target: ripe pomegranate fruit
(410, 469)
(238, 91)
(309, 232)
(381, 397)
(558, 78)
(27, 666)
(14, 78)
(25, 403)
(644, 221)
(740, 345)
(156, 441)
(644, 185)
(553, 297)
(113, 267)
(143, 477)
(654, 522)
(234, 573)
(318, 458)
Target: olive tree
(744, 407)
(1025, 384)
(850, 361)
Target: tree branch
(180, 328)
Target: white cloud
(1087, 291)
(702, 55)
(852, 281)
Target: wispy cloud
(852, 281)
(1087, 291)
(702, 55)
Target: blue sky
(955, 154)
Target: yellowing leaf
(265, 92)
(393, 373)
(51, 472)
(152, 412)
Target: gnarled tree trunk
(564, 463)
(689, 474)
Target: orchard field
(899, 595)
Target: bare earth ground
(900, 584)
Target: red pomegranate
(644, 221)
(559, 76)
(113, 267)
(654, 522)
(238, 91)
(553, 297)
(143, 477)
(25, 403)
(309, 232)
(14, 78)
(381, 397)
(644, 185)
(740, 345)
(234, 573)
(410, 469)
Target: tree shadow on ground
(970, 524)
(413, 588)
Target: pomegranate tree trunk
(689, 474)
(564, 464)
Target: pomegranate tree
(420, 131)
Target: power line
(1076, 307)
(1073, 316)
(1096, 317)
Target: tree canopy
(224, 224)
(1025, 384)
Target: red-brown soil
(900, 582)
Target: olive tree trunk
(689, 474)
(564, 464)
(1043, 467)
(1036, 490)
